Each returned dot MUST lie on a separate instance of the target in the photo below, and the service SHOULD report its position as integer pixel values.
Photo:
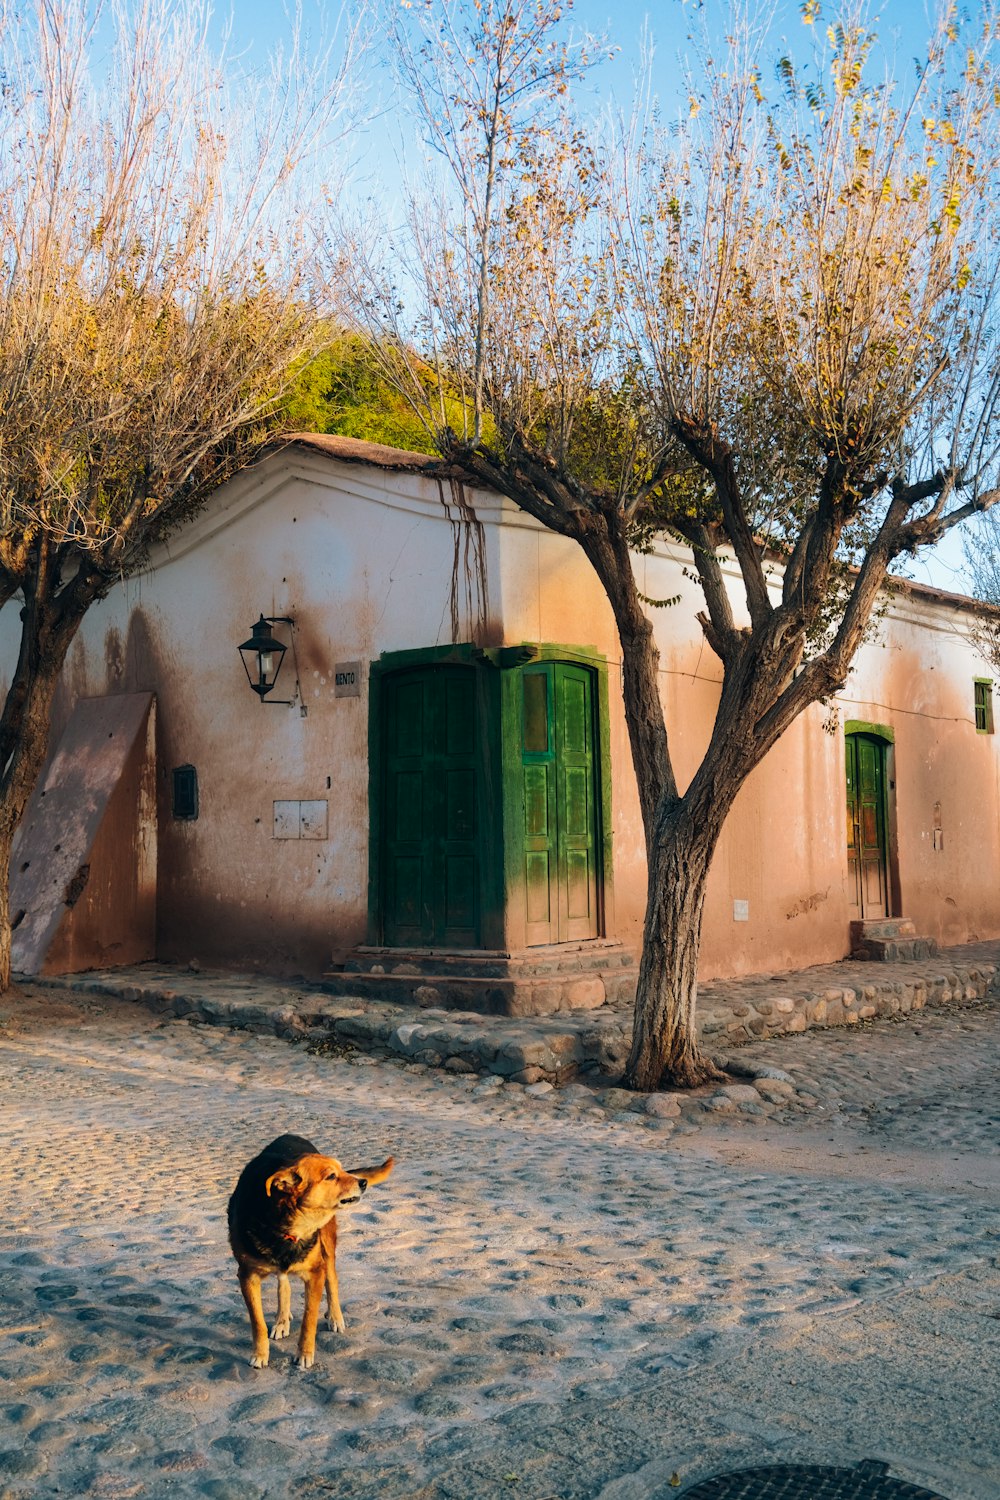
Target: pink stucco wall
(364, 560)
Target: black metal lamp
(262, 655)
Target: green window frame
(983, 704)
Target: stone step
(555, 958)
(890, 940)
(537, 982)
(887, 952)
(492, 984)
(884, 927)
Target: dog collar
(307, 1244)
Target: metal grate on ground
(869, 1480)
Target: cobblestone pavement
(553, 1296)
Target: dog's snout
(363, 1184)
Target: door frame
(887, 735)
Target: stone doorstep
(495, 996)
(539, 982)
(890, 940)
(883, 927)
(595, 954)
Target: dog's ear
(288, 1180)
(372, 1175)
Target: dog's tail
(372, 1175)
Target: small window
(185, 793)
(984, 706)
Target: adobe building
(437, 792)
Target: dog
(282, 1221)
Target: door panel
(866, 826)
(432, 772)
(576, 803)
(538, 881)
(536, 802)
(560, 805)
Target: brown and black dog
(282, 1220)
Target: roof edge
(382, 456)
(358, 451)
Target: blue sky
(258, 26)
(259, 23)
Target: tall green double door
(488, 799)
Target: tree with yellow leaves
(158, 281)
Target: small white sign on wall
(741, 911)
(312, 820)
(347, 679)
(301, 820)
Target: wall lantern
(262, 656)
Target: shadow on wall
(260, 937)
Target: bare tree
(158, 278)
(981, 545)
(768, 332)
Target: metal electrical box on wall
(300, 820)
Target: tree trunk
(606, 548)
(17, 785)
(664, 1038)
(679, 845)
(46, 634)
(6, 840)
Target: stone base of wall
(755, 1010)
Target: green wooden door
(561, 873)
(866, 826)
(432, 762)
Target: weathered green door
(866, 826)
(560, 803)
(432, 762)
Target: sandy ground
(540, 1302)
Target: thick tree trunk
(679, 847)
(16, 785)
(664, 1038)
(6, 840)
(46, 633)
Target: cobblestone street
(549, 1297)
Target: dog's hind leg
(334, 1315)
(307, 1334)
(284, 1323)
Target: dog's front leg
(307, 1334)
(250, 1287)
(284, 1323)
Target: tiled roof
(356, 451)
